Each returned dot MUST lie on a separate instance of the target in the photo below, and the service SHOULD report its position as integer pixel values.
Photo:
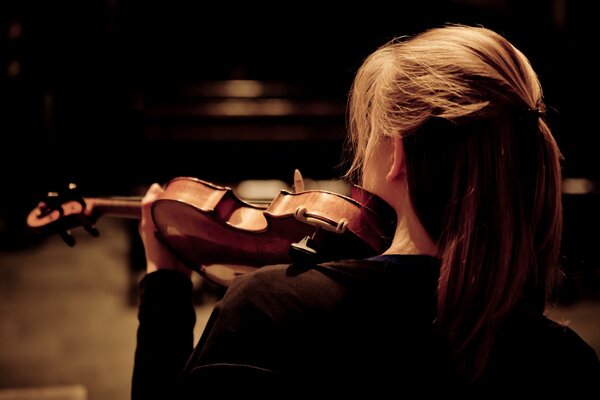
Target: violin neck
(123, 207)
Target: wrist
(177, 266)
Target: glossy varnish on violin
(209, 224)
(219, 235)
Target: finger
(152, 193)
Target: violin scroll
(60, 212)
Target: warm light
(242, 88)
(240, 108)
(15, 30)
(260, 189)
(577, 186)
(14, 69)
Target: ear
(398, 167)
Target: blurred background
(117, 94)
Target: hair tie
(528, 115)
(534, 112)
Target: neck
(410, 236)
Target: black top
(345, 328)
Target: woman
(447, 127)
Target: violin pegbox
(60, 212)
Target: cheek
(374, 177)
(371, 174)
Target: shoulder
(287, 292)
(320, 285)
(570, 349)
(314, 293)
(566, 344)
(311, 279)
(293, 286)
(264, 311)
(538, 351)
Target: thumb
(152, 193)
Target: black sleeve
(245, 343)
(165, 334)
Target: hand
(158, 256)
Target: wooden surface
(74, 392)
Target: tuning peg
(52, 202)
(68, 238)
(91, 229)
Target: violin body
(221, 236)
(206, 224)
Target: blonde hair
(483, 172)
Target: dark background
(109, 94)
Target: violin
(220, 236)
